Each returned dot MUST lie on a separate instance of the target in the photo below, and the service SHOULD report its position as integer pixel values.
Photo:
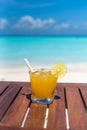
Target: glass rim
(42, 69)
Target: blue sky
(43, 17)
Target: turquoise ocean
(42, 50)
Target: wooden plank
(56, 118)
(76, 111)
(7, 98)
(35, 120)
(74, 85)
(36, 116)
(16, 112)
(83, 91)
(17, 128)
(3, 86)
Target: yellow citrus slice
(59, 68)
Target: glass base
(42, 100)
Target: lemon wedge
(59, 68)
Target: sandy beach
(76, 72)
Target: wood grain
(56, 117)
(83, 91)
(7, 98)
(15, 114)
(15, 98)
(36, 116)
(77, 115)
(3, 87)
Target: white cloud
(32, 23)
(76, 26)
(85, 25)
(64, 25)
(3, 23)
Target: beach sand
(76, 73)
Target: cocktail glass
(43, 84)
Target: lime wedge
(59, 68)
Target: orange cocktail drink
(43, 84)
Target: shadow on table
(28, 96)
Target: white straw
(28, 64)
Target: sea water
(41, 50)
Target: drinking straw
(28, 65)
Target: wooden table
(68, 111)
